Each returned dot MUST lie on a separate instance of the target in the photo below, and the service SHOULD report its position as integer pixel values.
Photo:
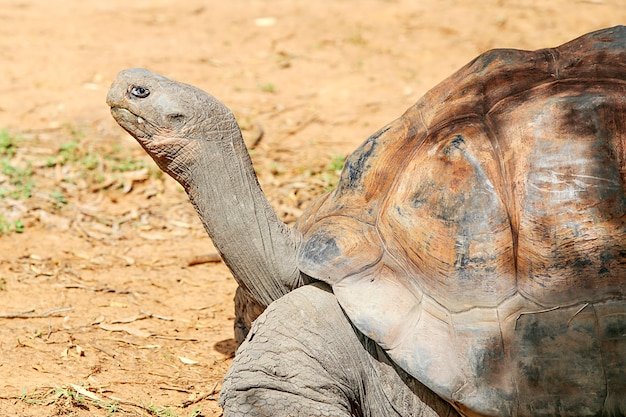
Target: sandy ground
(100, 312)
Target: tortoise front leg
(304, 358)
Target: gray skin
(302, 355)
(196, 139)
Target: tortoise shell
(481, 240)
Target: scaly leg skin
(247, 309)
(304, 358)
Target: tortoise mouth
(149, 136)
(136, 125)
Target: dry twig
(29, 314)
(203, 259)
(202, 397)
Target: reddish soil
(100, 312)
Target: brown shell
(480, 238)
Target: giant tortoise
(471, 260)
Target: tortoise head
(168, 118)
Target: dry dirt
(100, 312)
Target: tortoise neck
(258, 248)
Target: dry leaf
(129, 319)
(187, 361)
(116, 304)
(79, 350)
(264, 22)
(149, 347)
(84, 392)
(129, 261)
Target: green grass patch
(20, 180)
(25, 174)
(8, 143)
(331, 173)
(267, 87)
(11, 226)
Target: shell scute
(447, 222)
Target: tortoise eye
(139, 92)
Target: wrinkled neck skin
(255, 244)
(195, 139)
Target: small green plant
(90, 161)
(71, 152)
(68, 394)
(18, 226)
(267, 87)
(197, 412)
(76, 132)
(126, 164)
(8, 143)
(8, 227)
(112, 407)
(19, 178)
(59, 198)
(160, 411)
(276, 169)
(68, 152)
(332, 171)
(336, 164)
(30, 398)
